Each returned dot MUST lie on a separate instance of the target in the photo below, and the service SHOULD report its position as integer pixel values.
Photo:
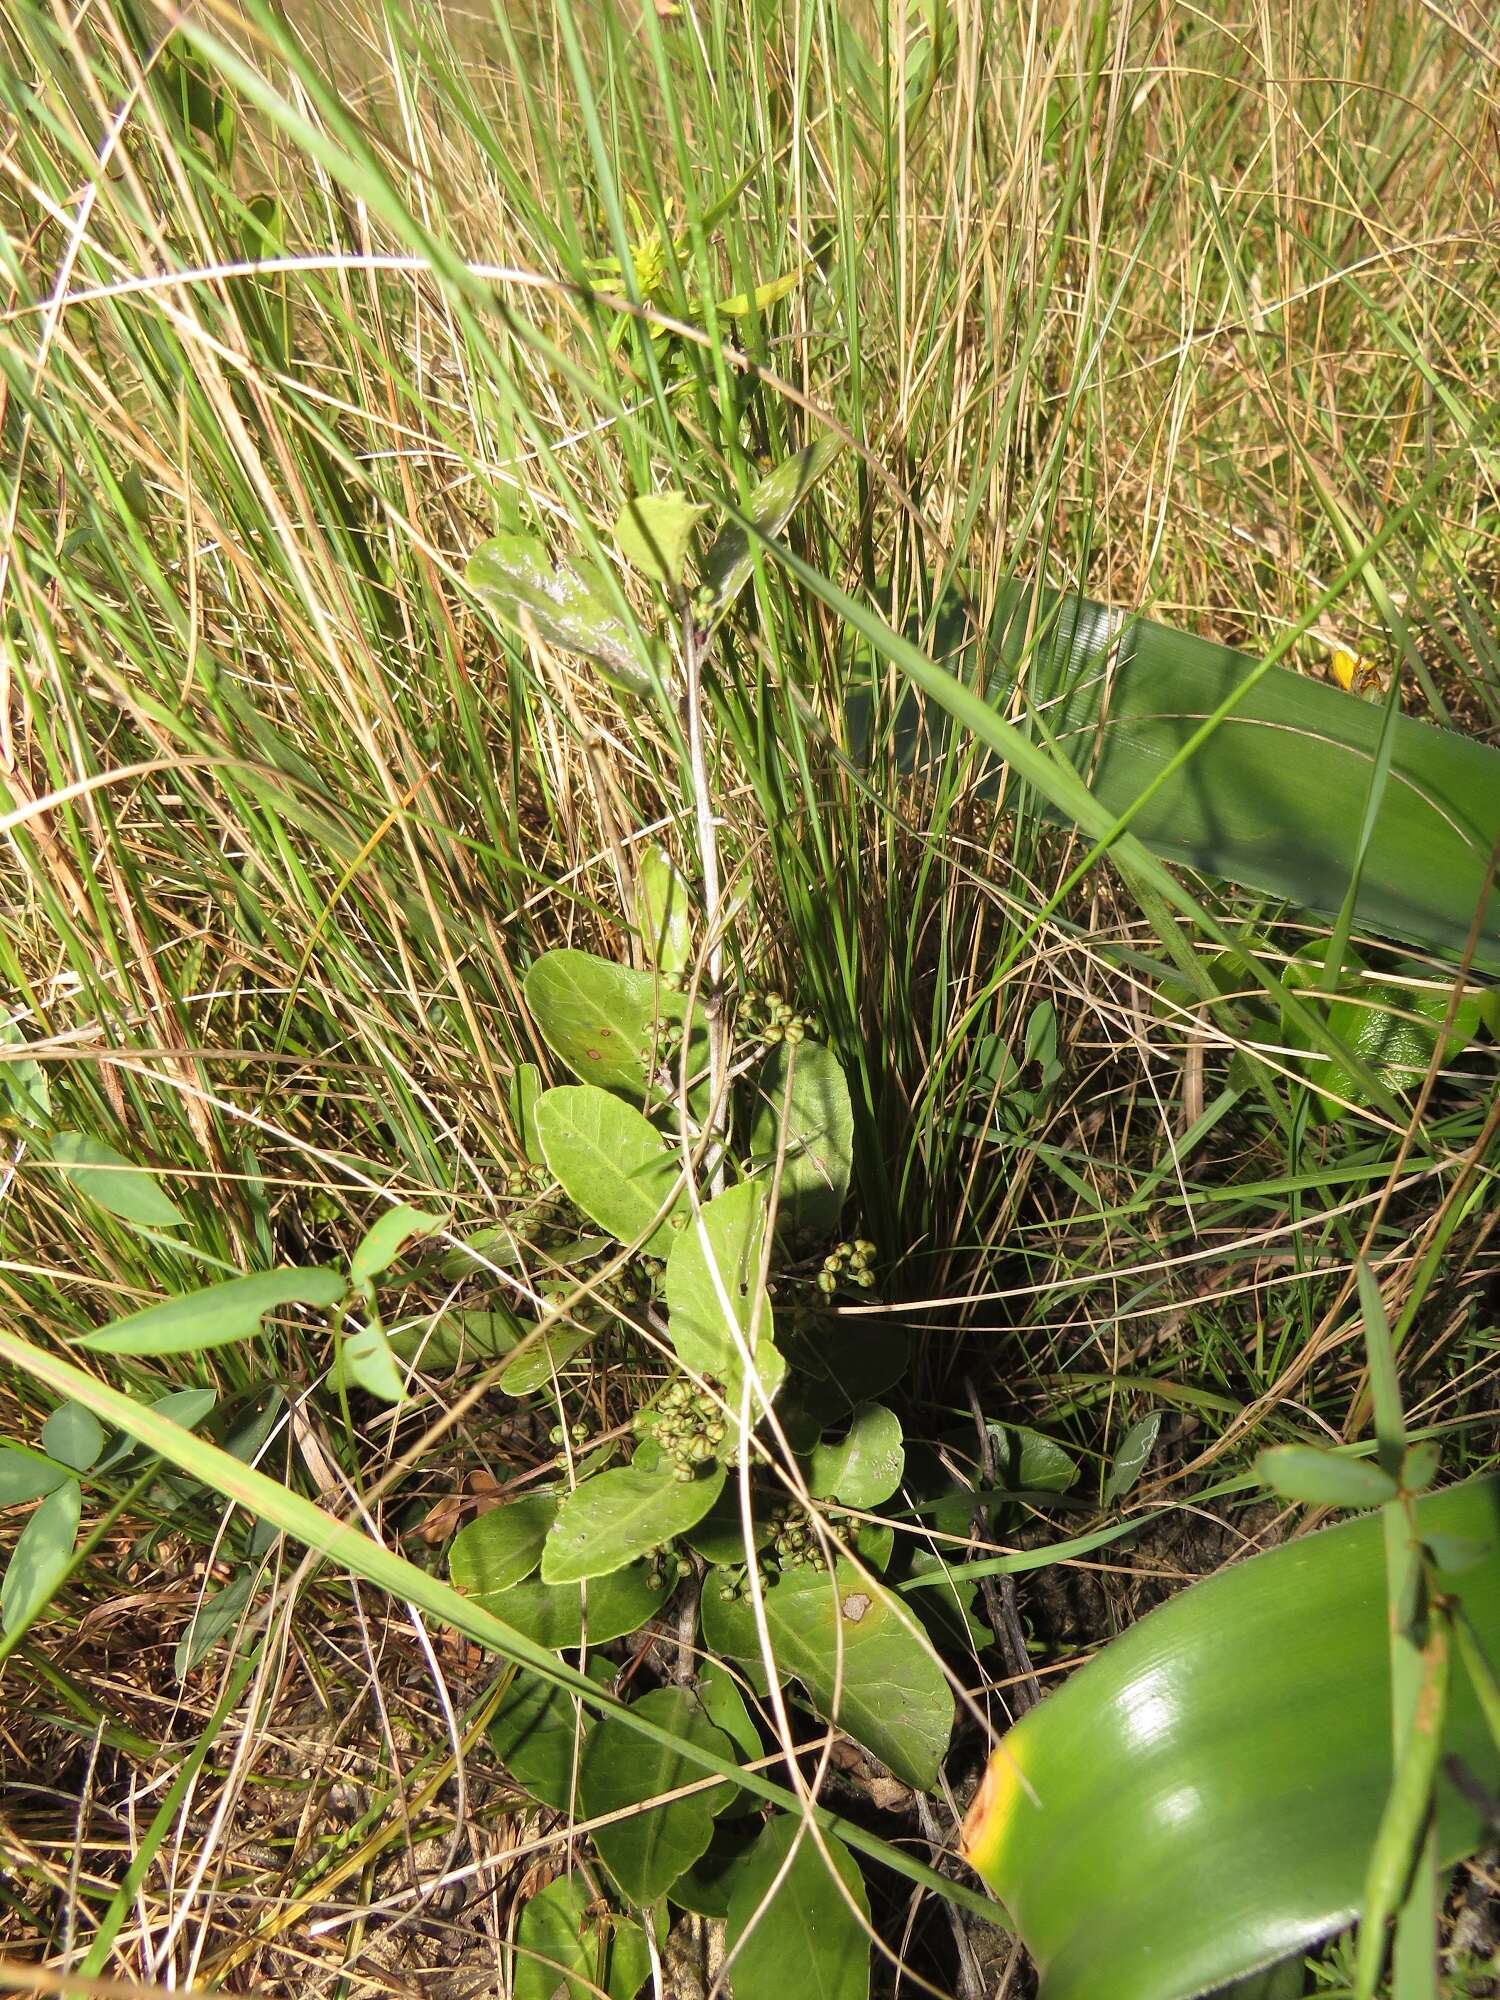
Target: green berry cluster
(578, 1433)
(688, 1424)
(665, 1565)
(783, 1023)
(523, 1178)
(849, 1263)
(794, 1542)
(664, 1049)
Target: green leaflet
(663, 914)
(819, 1124)
(729, 564)
(569, 607)
(561, 1932)
(792, 1928)
(231, 1310)
(1324, 1478)
(612, 1164)
(655, 532)
(40, 1558)
(887, 1691)
(865, 1467)
(618, 1516)
(648, 1849)
(73, 1435)
(714, 1294)
(610, 1024)
(1216, 1775)
(386, 1238)
(115, 1183)
(502, 1546)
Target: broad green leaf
(526, 1088)
(656, 531)
(714, 1293)
(724, 1705)
(386, 1238)
(73, 1435)
(613, 1164)
(606, 1021)
(230, 1310)
(366, 1360)
(866, 1467)
(543, 1355)
(537, 1734)
(793, 1928)
(729, 564)
(1215, 1775)
(568, 607)
(819, 1136)
(1132, 1457)
(187, 1407)
(107, 1177)
(26, 1475)
(556, 1935)
(553, 1614)
(23, 1081)
(891, 1693)
(218, 1614)
(662, 912)
(1028, 1461)
(720, 1536)
(707, 1886)
(438, 1347)
(1274, 798)
(648, 1849)
(40, 1558)
(1324, 1478)
(618, 1516)
(502, 1546)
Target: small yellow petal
(1345, 666)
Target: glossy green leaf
(568, 607)
(561, 1931)
(40, 1558)
(663, 912)
(1275, 797)
(724, 1705)
(502, 1546)
(649, 1848)
(544, 1355)
(1132, 1456)
(555, 1615)
(720, 1536)
(365, 1361)
(887, 1690)
(1202, 1798)
(864, 1467)
(655, 533)
(1028, 1461)
(26, 1475)
(714, 1294)
(793, 1928)
(613, 1164)
(618, 1516)
(115, 1183)
(729, 564)
(230, 1310)
(537, 1735)
(1321, 1478)
(707, 1886)
(387, 1237)
(819, 1121)
(606, 1021)
(73, 1435)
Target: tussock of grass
(1164, 305)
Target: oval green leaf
(605, 1021)
(866, 1466)
(728, 566)
(40, 1558)
(713, 1288)
(217, 1314)
(1324, 1478)
(567, 608)
(26, 1475)
(819, 1123)
(74, 1436)
(1132, 1457)
(502, 1546)
(115, 1183)
(651, 1846)
(387, 1237)
(793, 1928)
(655, 532)
(553, 1614)
(618, 1516)
(663, 913)
(612, 1164)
